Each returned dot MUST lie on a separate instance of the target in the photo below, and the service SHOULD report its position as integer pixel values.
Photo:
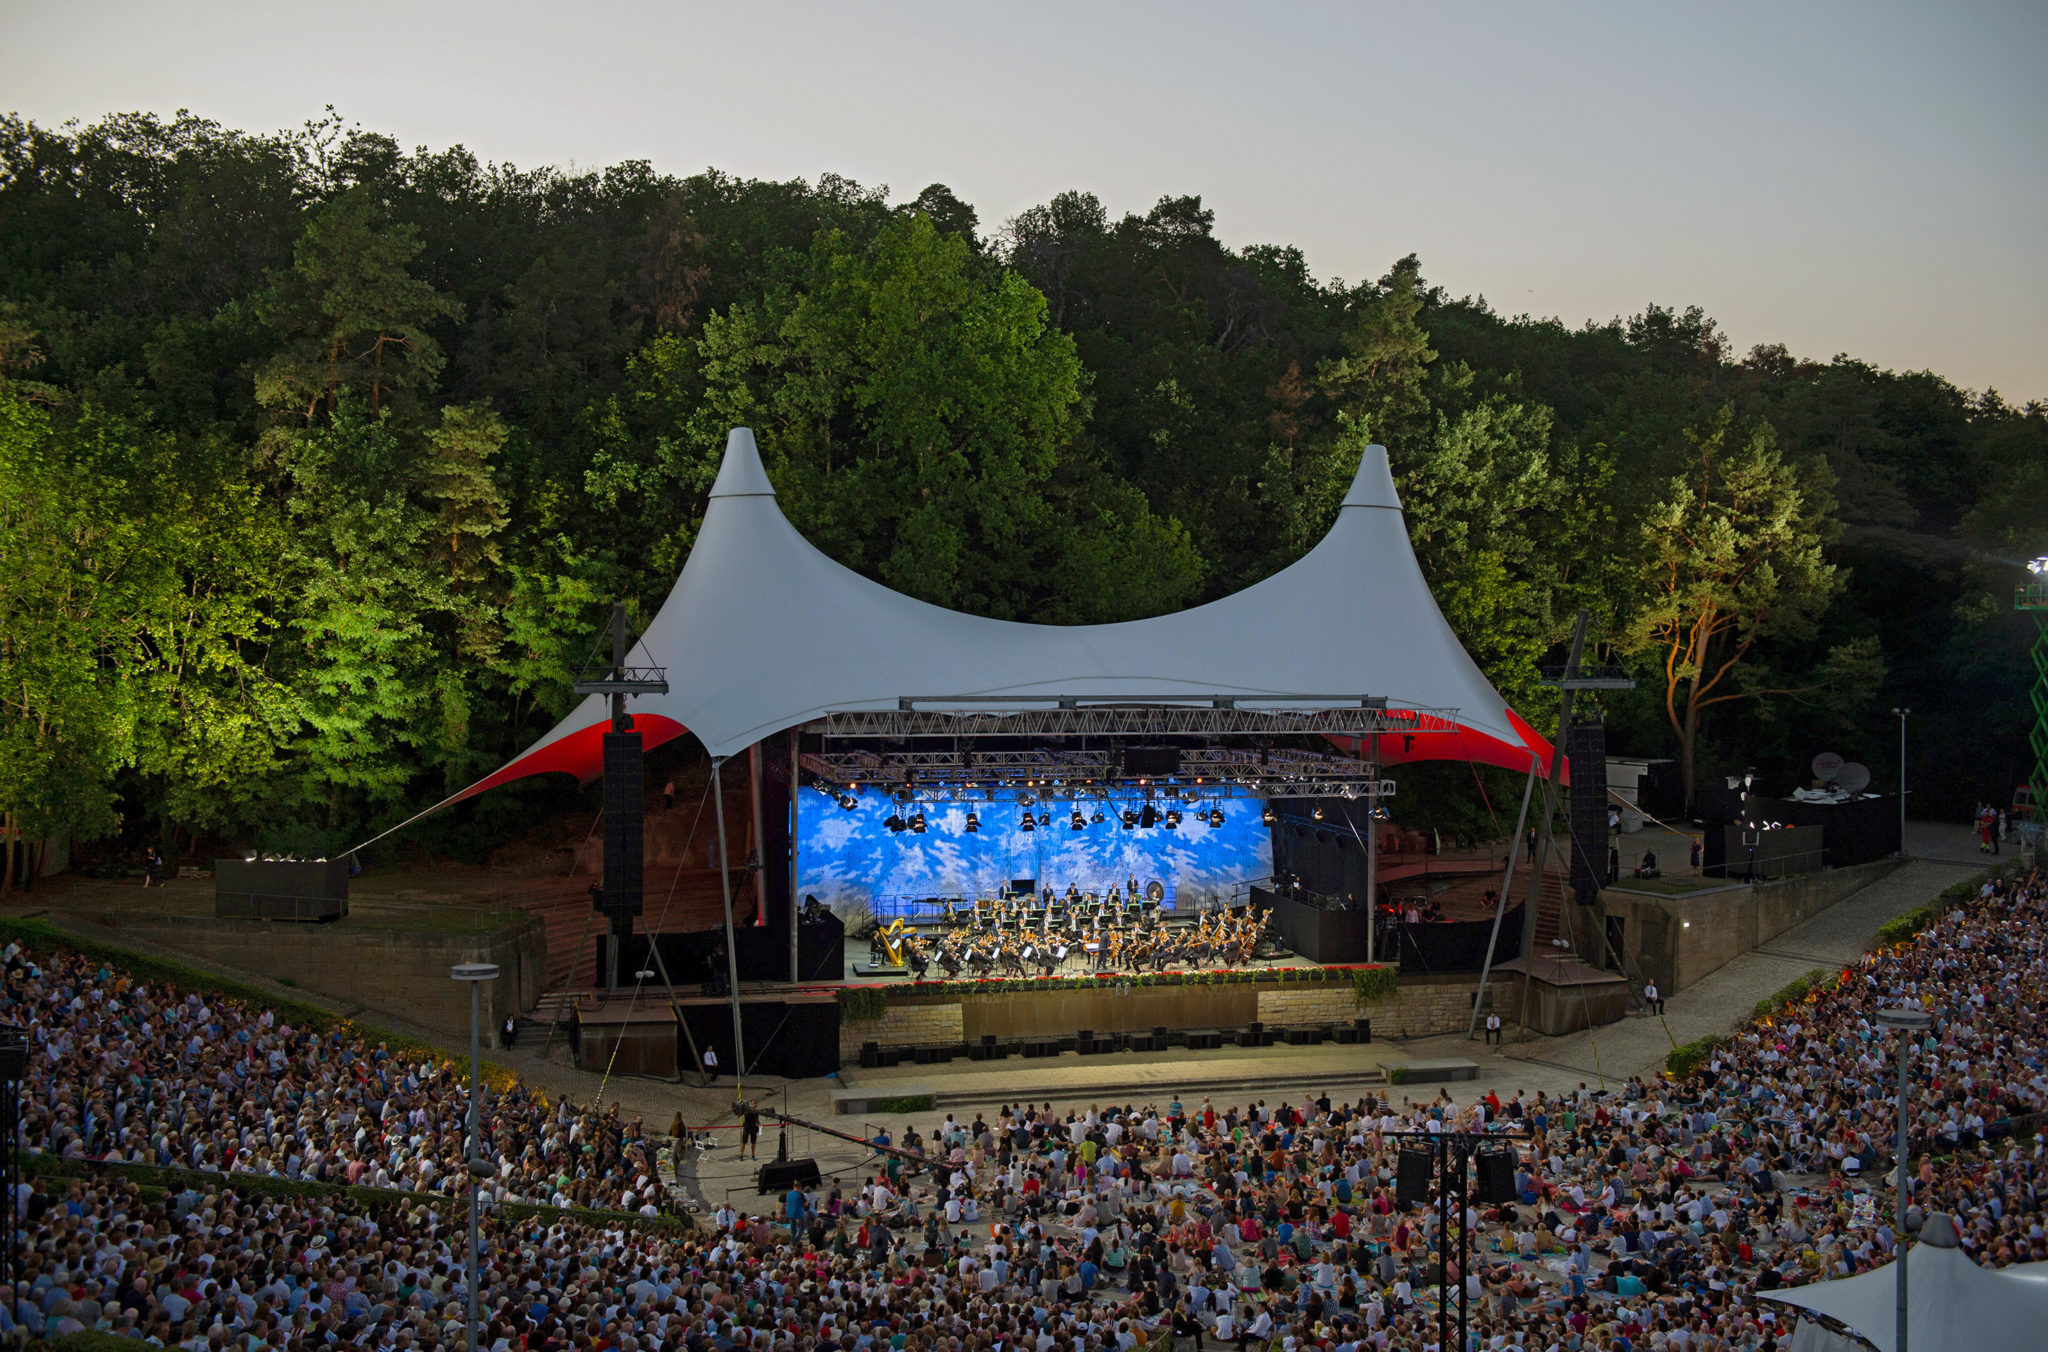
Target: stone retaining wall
(1421, 1006)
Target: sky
(1864, 178)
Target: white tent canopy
(1952, 1304)
(762, 632)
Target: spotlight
(1172, 819)
(973, 822)
(1096, 820)
(1319, 812)
(917, 824)
(894, 822)
(1215, 816)
(1077, 821)
(1150, 817)
(1130, 819)
(1028, 824)
(1045, 819)
(848, 801)
(1269, 816)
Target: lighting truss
(1053, 775)
(1137, 716)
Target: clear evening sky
(1861, 178)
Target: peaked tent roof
(1953, 1304)
(763, 632)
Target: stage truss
(1056, 775)
(1136, 716)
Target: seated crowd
(1649, 1217)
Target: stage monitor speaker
(1496, 1176)
(1413, 1172)
(782, 1175)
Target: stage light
(1096, 820)
(894, 822)
(1045, 819)
(1172, 820)
(973, 823)
(1150, 816)
(1028, 824)
(848, 801)
(1130, 819)
(1215, 816)
(1077, 821)
(1269, 816)
(1318, 814)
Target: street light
(1900, 714)
(475, 973)
(1905, 1020)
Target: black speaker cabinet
(1496, 1176)
(1413, 1172)
(782, 1175)
(280, 889)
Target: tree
(1734, 566)
(350, 315)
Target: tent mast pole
(789, 863)
(1372, 849)
(1500, 905)
(732, 958)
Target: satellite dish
(1826, 766)
(1854, 778)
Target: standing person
(710, 1065)
(509, 1034)
(1654, 1000)
(153, 869)
(668, 795)
(1493, 1029)
(750, 1131)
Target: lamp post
(1905, 1020)
(475, 973)
(1900, 714)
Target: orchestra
(1041, 934)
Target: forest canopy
(321, 462)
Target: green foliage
(863, 1004)
(1374, 984)
(907, 1103)
(1684, 1060)
(1397, 1074)
(1793, 993)
(320, 462)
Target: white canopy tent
(763, 632)
(1952, 1304)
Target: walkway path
(1725, 997)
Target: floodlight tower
(2032, 596)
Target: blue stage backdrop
(848, 859)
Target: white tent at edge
(762, 632)
(1953, 1305)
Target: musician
(1073, 892)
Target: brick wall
(902, 1025)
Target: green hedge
(1684, 1060)
(1817, 979)
(1901, 929)
(907, 1103)
(1373, 984)
(863, 1004)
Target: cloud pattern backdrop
(849, 860)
